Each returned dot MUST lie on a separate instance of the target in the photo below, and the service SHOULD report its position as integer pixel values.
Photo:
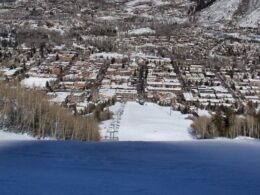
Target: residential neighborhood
(101, 55)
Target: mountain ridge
(243, 13)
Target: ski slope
(150, 122)
(194, 167)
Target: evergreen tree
(228, 121)
(218, 123)
(57, 58)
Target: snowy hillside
(244, 13)
(221, 10)
(150, 122)
(251, 20)
(197, 167)
(253, 4)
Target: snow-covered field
(36, 82)
(196, 167)
(60, 97)
(141, 31)
(105, 55)
(9, 136)
(150, 122)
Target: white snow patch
(141, 31)
(203, 113)
(105, 55)
(36, 82)
(243, 138)
(60, 97)
(140, 2)
(10, 136)
(58, 29)
(109, 18)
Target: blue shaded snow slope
(194, 167)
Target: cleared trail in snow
(151, 122)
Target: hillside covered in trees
(29, 111)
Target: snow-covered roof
(188, 96)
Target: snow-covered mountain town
(198, 60)
(170, 75)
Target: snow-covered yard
(105, 55)
(59, 97)
(141, 31)
(150, 122)
(36, 82)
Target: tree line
(226, 123)
(23, 110)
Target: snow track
(149, 122)
(112, 131)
